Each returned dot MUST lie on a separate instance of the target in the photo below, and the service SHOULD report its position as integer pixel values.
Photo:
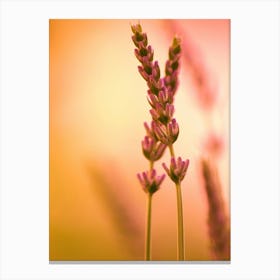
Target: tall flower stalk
(152, 148)
(164, 129)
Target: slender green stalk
(151, 165)
(181, 245)
(148, 229)
(180, 222)
(149, 222)
(171, 150)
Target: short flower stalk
(177, 172)
(163, 130)
(150, 183)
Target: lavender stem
(181, 243)
(180, 219)
(171, 149)
(149, 227)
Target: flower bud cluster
(172, 66)
(150, 181)
(167, 134)
(164, 129)
(152, 150)
(161, 90)
(178, 169)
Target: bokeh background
(97, 108)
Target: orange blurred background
(97, 108)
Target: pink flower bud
(165, 96)
(155, 115)
(152, 99)
(143, 73)
(173, 130)
(177, 170)
(154, 85)
(162, 113)
(150, 181)
(160, 132)
(169, 110)
(147, 146)
(139, 38)
(144, 54)
(152, 150)
(168, 68)
(167, 135)
(156, 71)
(150, 55)
(150, 130)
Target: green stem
(151, 165)
(149, 222)
(181, 245)
(180, 222)
(148, 229)
(171, 149)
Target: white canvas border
(254, 138)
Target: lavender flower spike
(150, 181)
(177, 170)
(164, 129)
(148, 69)
(139, 38)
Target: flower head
(139, 38)
(162, 98)
(175, 49)
(178, 169)
(166, 134)
(152, 150)
(172, 66)
(150, 181)
(144, 54)
(161, 113)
